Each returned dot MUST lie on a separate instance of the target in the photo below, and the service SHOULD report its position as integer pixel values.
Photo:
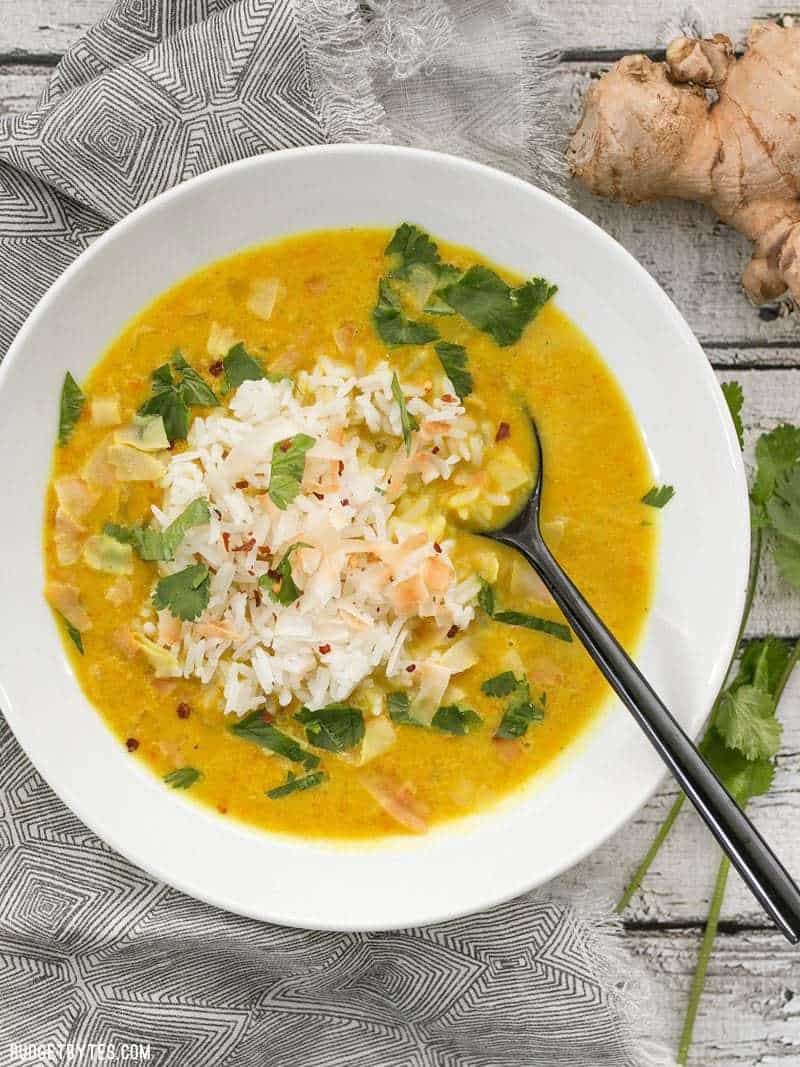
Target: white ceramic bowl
(609, 773)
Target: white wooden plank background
(751, 1011)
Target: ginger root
(649, 130)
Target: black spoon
(745, 847)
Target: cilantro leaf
(485, 300)
(533, 622)
(453, 359)
(734, 398)
(194, 389)
(486, 598)
(287, 591)
(296, 785)
(239, 366)
(518, 716)
(288, 467)
(407, 420)
(392, 324)
(410, 246)
(334, 728)
(186, 593)
(743, 778)
(776, 452)
(783, 507)
(183, 777)
(161, 544)
(70, 408)
(787, 558)
(658, 496)
(253, 728)
(74, 634)
(500, 685)
(452, 719)
(400, 709)
(746, 720)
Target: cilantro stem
(664, 829)
(699, 979)
(650, 855)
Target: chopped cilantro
(453, 359)
(74, 635)
(288, 467)
(239, 366)
(500, 685)
(71, 406)
(658, 496)
(452, 719)
(486, 598)
(494, 307)
(409, 247)
(334, 728)
(287, 591)
(293, 784)
(194, 389)
(172, 395)
(253, 728)
(186, 593)
(183, 777)
(161, 544)
(407, 420)
(776, 452)
(400, 710)
(518, 716)
(533, 622)
(393, 325)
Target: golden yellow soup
(283, 310)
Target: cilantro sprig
(288, 467)
(392, 324)
(453, 359)
(520, 710)
(161, 545)
(487, 602)
(281, 576)
(186, 593)
(175, 387)
(335, 728)
(495, 307)
(455, 720)
(254, 728)
(239, 366)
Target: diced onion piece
(507, 470)
(66, 599)
(263, 294)
(221, 340)
(460, 656)
(68, 538)
(131, 465)
(526, 585)
(434, 680)
(104, 411)
(397, 800)
(379, 736)
(75, 496)
(104, 553)
(146, 433)
(163, 662)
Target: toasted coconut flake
(99, 471)
(434, 680)
(262, 297)
(131, 465)
(68, 537)
(75, 496)
(397, 800)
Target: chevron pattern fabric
(91, 948)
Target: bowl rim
(93, 819)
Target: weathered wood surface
(750, 1012)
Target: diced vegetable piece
(434, 680)
(66, 599)
(146, 433)
(460, 656)
(104, 553)
(99, 471)
(104, 411)
(263, 294)
(397, 800)
(507, 470)
(525, 585)
(221, 340)
(131, 465)
(163, 662)
(75, 496)
(379, 737)
(68, 538)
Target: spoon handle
(763, 872)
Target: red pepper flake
(216, 368)
(226, 540)
(245, 546)
(437, 547)
(131, 744)
(324, 650)
(183, 710)
(503, 431)
(243, 484)
(452, 631)
(411, 668)
(435, 450)
(341, 467)
(273, 575)
(319, 496)
(285, 445)
(218, 513)
(267, 716)
(222, 809)
(345, 502)
(257, 598)
(448, 398)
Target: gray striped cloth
(93, 950)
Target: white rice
(347, 623)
